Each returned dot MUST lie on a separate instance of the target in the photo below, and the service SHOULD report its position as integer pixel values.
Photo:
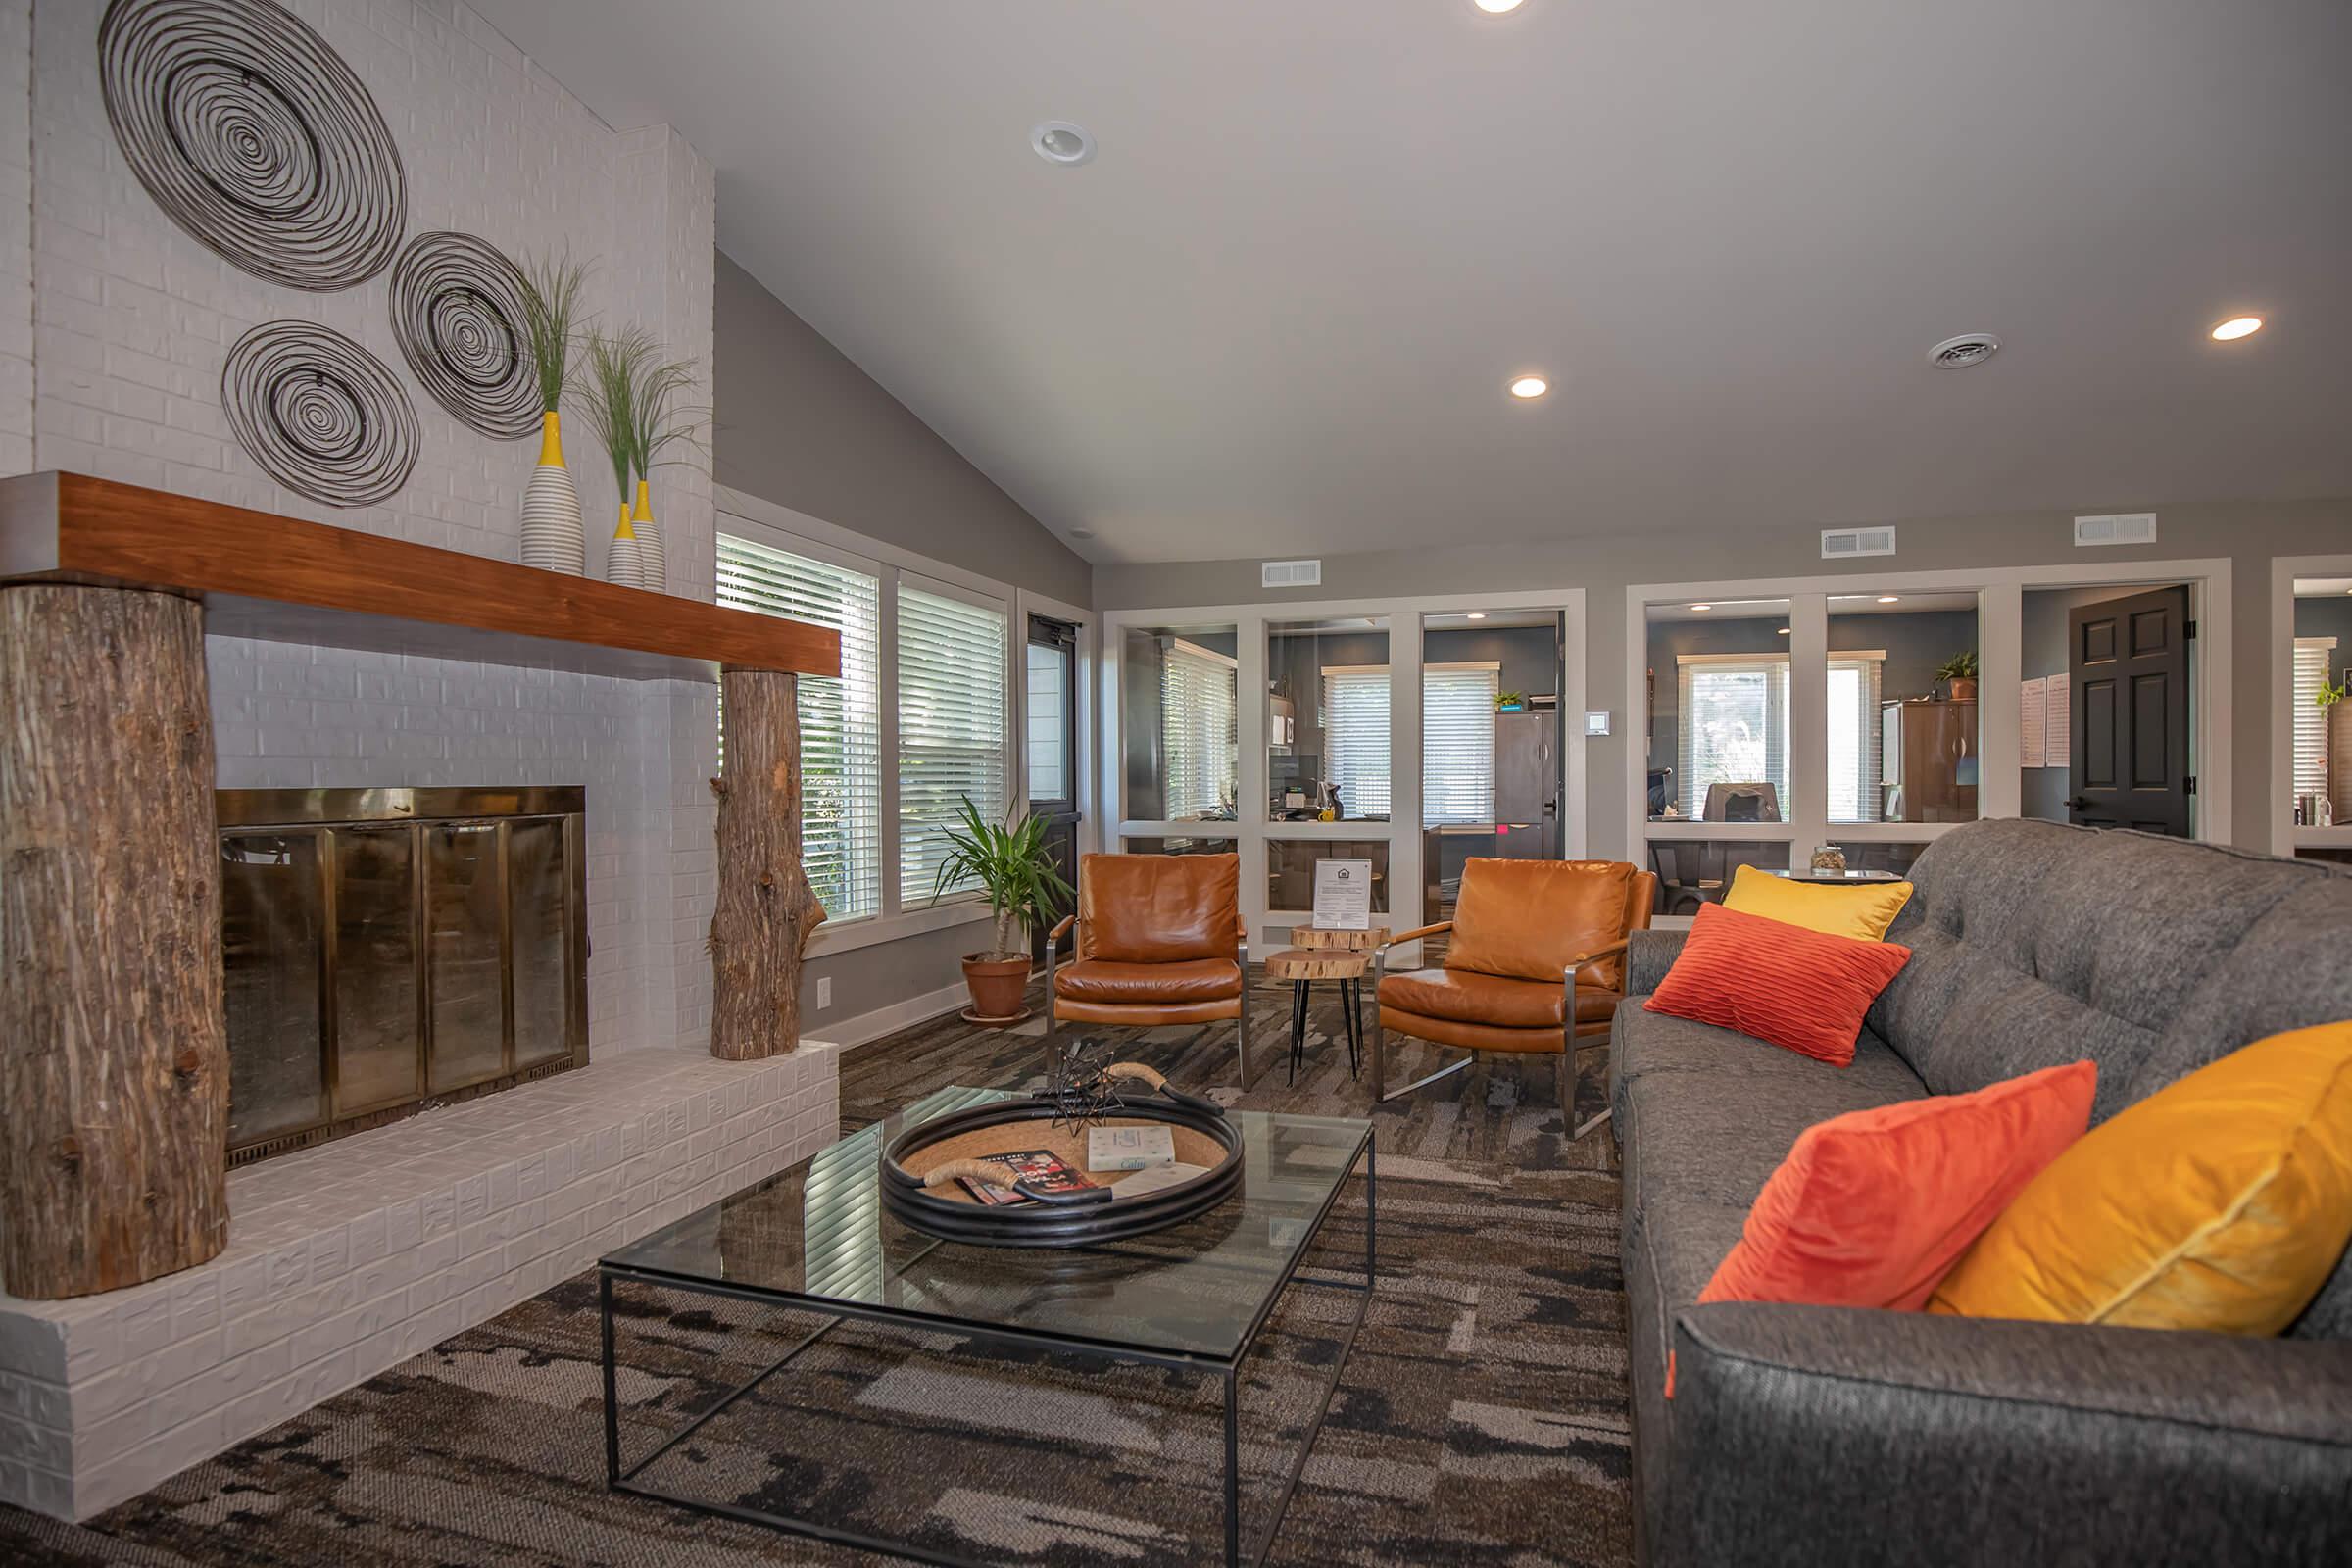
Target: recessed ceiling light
(1702, 607)
(1784, 631)
(2235, 327)
(1495, 8)
(1529, 387)
(1057, 141)
(1476, 614)
(1082, 533)
(1969, 348)
(1889, 598)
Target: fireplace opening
(391, 950)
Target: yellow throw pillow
(2219, 1203)
(1862, 911)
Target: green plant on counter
(1014, 870)
(1509, 701)
(1960, 667)
(2327, 696)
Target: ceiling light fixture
(1476, 614)
(1082, 533)
(1524, 387)
(1495, 8)
(1889, 598)
(1057, 141)
(2235, 327)
(1702, 607)
(1784, 631)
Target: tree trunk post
(114, 1042)
(766, 910)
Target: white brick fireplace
(114, 329)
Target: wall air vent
(1840, 544)
(2116, 529)
(1290, 573)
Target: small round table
(1341, 955)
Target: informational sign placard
(1343, 895)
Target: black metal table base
(1351, 1004)
(626, 1480)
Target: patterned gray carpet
(1480, 1419)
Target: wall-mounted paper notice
(2031, 718)
(2058, 727)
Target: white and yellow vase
(649, 541)
(553, 538)
(625, 557)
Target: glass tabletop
(819, 1234)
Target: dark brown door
(1050, 667)
(2128, 662)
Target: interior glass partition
(1902, 737)
(1491, 745)
(1328, 742)
(1179, 705)
(1718, 718)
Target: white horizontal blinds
(2311, 719)
(841, 734)
(1853, 719)
(1457, 743)
(951, 727)
(1196, 716)
(1733, 715)
(1048, 712)
(1355, 736)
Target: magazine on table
(1041, 1168)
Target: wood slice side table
(1318, 955)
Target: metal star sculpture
(1081, 1088)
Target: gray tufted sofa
(1812, 1435)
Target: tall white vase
(553, 538)
(649, 541)
(625, 557)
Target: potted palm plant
(1016, 871)
(1960, 672)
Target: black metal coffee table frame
(624, 1480)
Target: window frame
(2285, 837)
(782, 528)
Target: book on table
(1041, 1168)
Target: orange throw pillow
(1874, 1207)
(1804, 991)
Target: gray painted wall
(2248, 534)
(797, 423)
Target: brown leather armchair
(1535, 964)
(1160, 941)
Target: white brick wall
(114, 326)
(347, 1260)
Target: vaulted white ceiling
(1276, 313)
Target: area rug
(1481, 1417)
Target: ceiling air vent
(1290, 573)
(1969, 348)
(1838, 543)
(2116, 529)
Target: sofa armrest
(1648, 956)
(1899, 1437)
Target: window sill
(876, 929)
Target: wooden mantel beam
(69, 528)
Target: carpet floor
(1480, 1419)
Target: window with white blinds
(951, 727)
(1355, 736)
(1733, 715)
(841, 785)
(1197, 717)
(1457, 743)
(2311, 719)
(1853, 722)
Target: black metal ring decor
(255, 136)
(1068, 1219)
(457, 311)
(320, 413)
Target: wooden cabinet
(1928, 762)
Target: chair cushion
(1469, 997)
(1526, 920)
(1194, 980)
(1160, 908)
(1472, 1036)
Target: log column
(766, 910)
(113, 1045)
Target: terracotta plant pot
(996, 985)
(1964, 689)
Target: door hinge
(2192, 783)
(2190, 634)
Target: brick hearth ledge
(348, 1258)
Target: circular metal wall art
(457, 311)
(320, 413)
(255, 138)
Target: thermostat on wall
(1596, 723)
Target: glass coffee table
(1194, 1296)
